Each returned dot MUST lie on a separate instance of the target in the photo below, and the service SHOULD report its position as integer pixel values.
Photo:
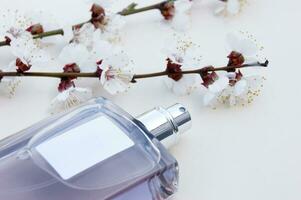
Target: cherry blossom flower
(243, 92)
(233, 89)
(13, 25)
(78, 54)
(75, 59)
(22, 26)
(17, 34)
(70, 98)
(116, 73)
(104, 25)
(92, 39)
(230, 7)
(240, 43)
(27, 54)
(182, 50)
(113, 72)
(108, 22)
(182, 54)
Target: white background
(229, 154)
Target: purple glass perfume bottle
(95, 152)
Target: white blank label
(83, 147)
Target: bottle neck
(167, 124)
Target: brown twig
(201, 70)
(136, 76)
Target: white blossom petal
(13, 21)
(220, 9)
(27, 51)
(219, 85)
(232, 100)
(84, 35)
(9, 84)
(70, 98)
(117, 73)
(233, 42)
(181, 19)
(77, 53)
(240, 43)
(240, 87)
(110, 31)
(102, 49)
(181, 50)
(185, 86)
(47, 20)
(248, 48)
(229, 7)
(209, 99)
(233, 6)
(181, 22)
(74, 53)
(183, 5)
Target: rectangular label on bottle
(84, 146)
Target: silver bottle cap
(167, 124)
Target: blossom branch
(37, 36)
(49, 74)
(137, 76)
(3, 43)
(129, 10)
(202, 70)
(48, 34)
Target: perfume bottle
(95, 152)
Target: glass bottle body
(144, 170)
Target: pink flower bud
(1, 77)
(67, 82)
(174, 70)
(7, 40)
(22, 67)
(98, 15)
(71, 68)
(35, 29)
(99, 70)
(168, 10)
(235, 59)
(208, 77)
